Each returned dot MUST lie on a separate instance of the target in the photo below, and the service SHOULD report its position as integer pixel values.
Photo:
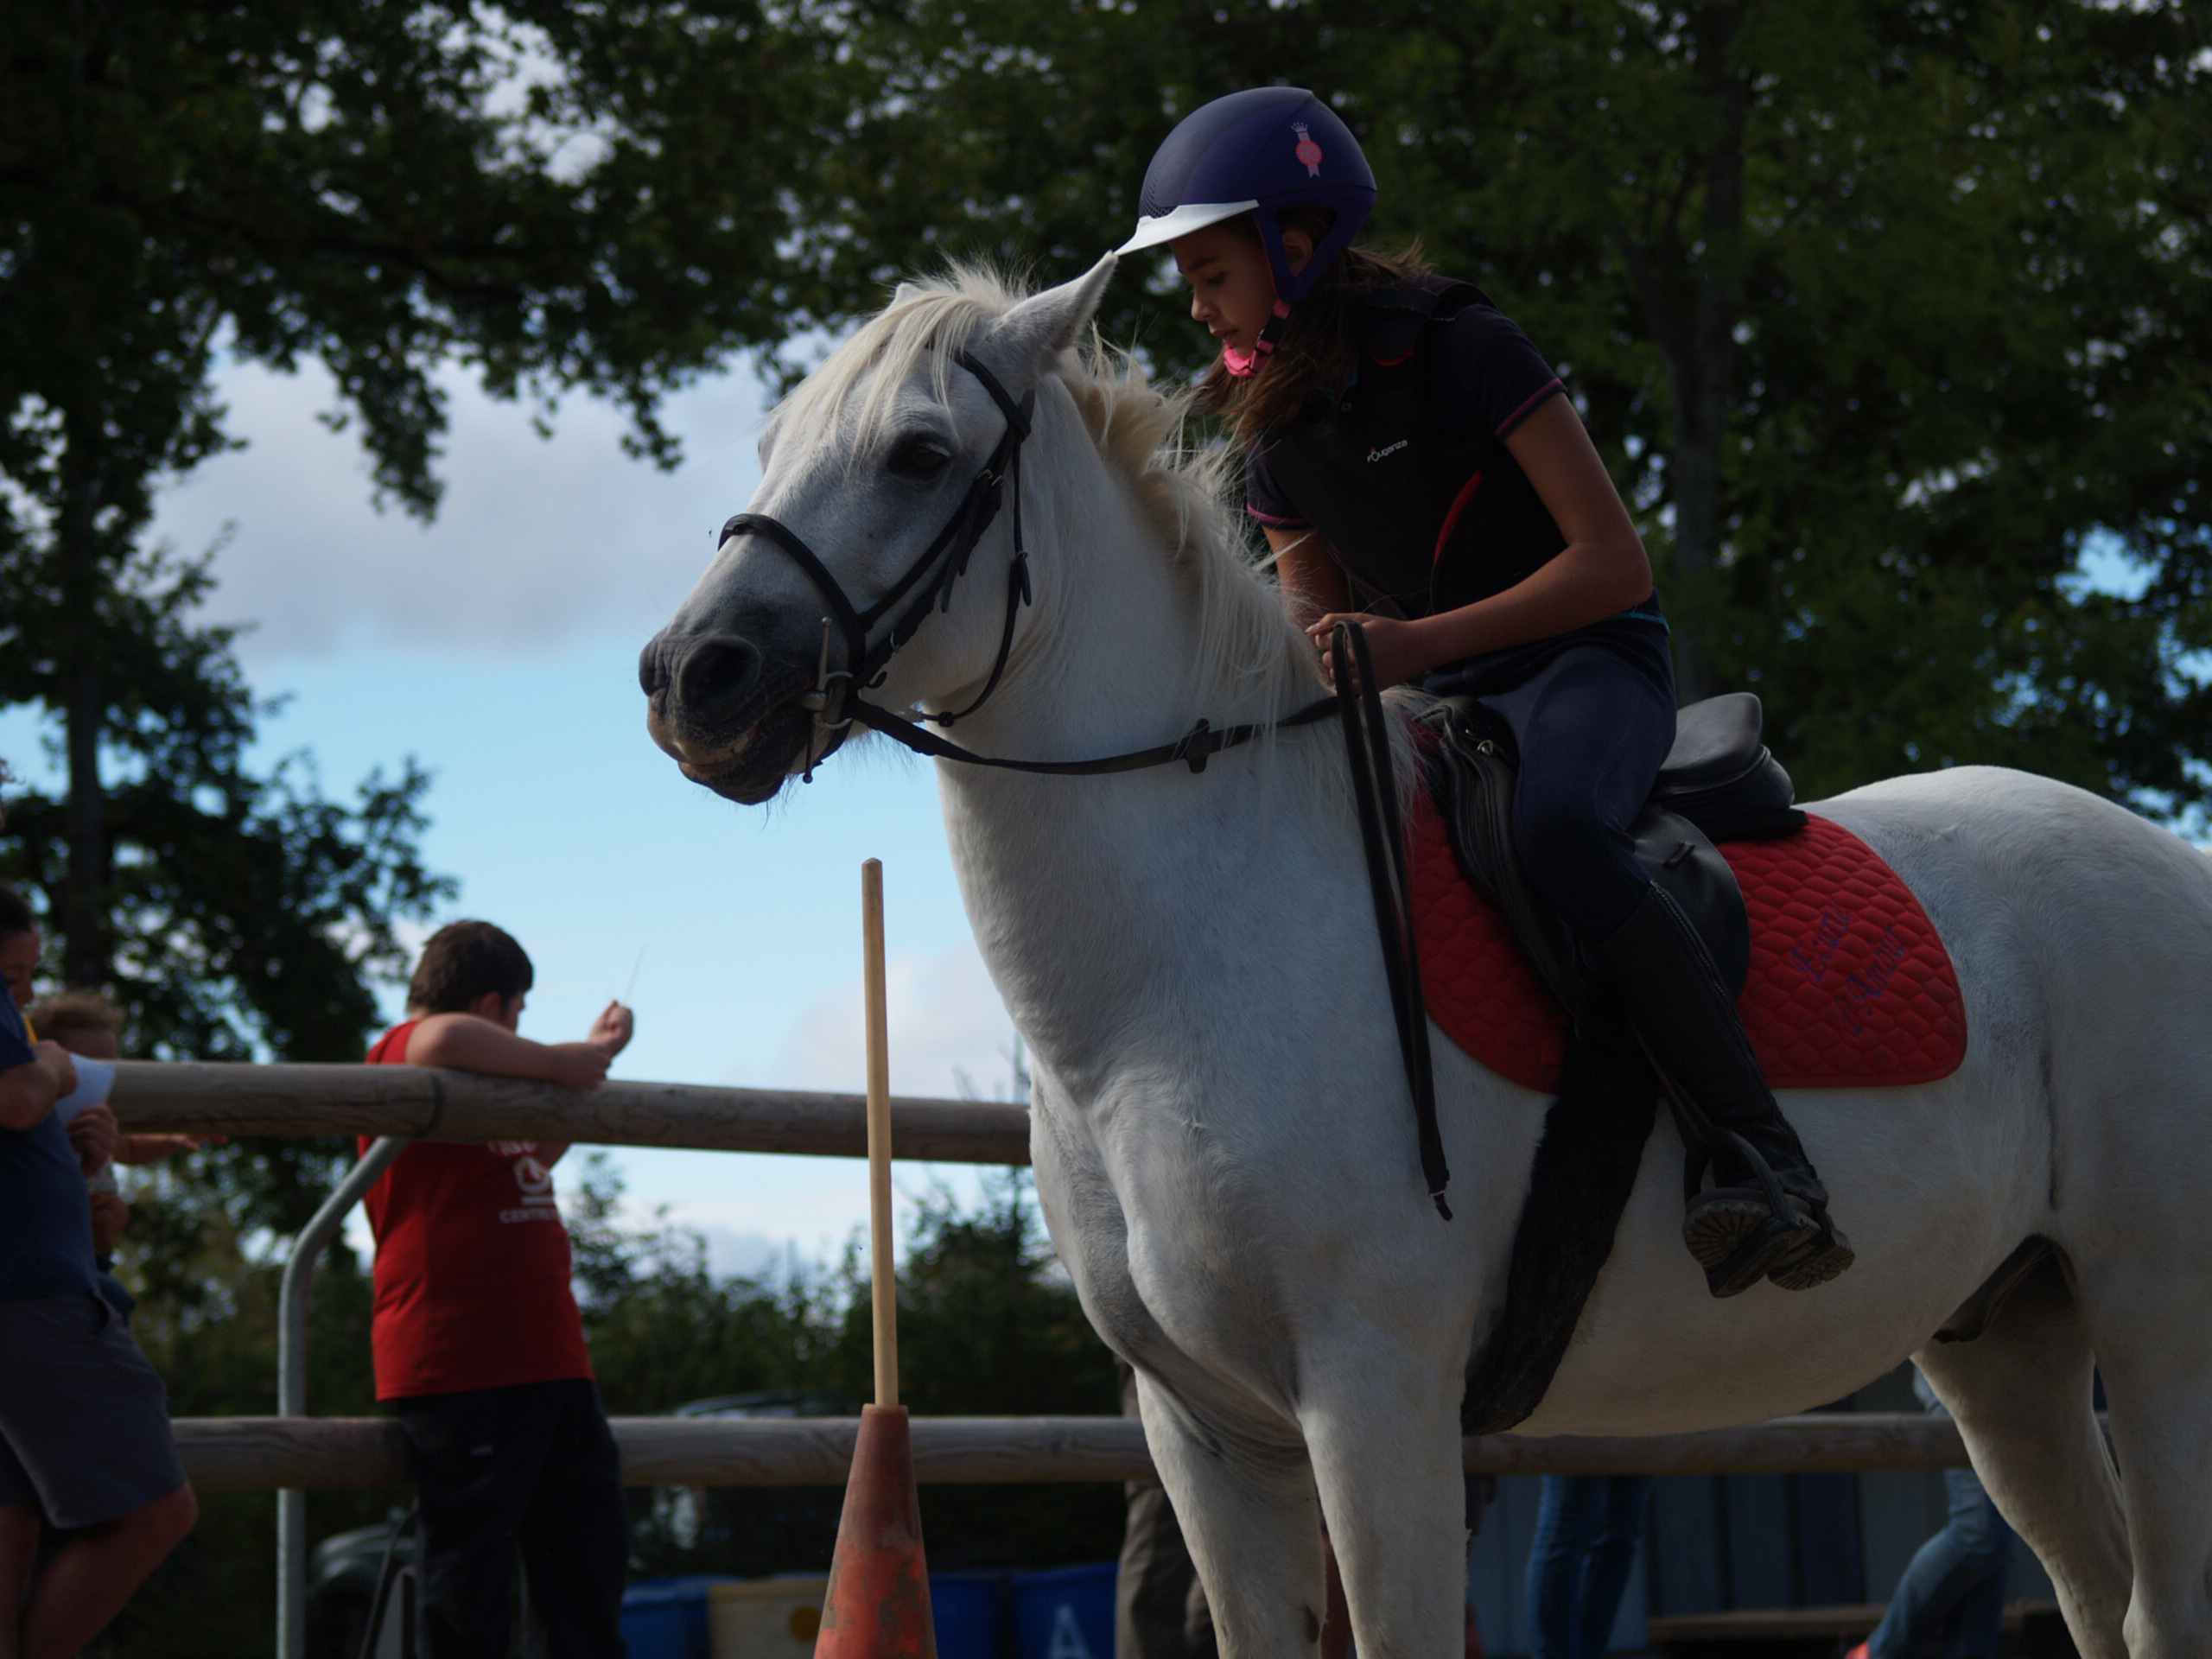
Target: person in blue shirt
(85, 1441)
(1415, 468)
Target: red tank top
(471, 1272)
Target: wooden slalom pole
(878, 1604)
(882, 1280)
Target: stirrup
(1738, 1234)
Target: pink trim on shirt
(1526, 408)
(1452, 519)
(1278, 524)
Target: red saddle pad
(1849, 984)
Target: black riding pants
(1592, 716)
(532, 1469)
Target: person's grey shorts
(83, 1419)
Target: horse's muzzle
(725, 711)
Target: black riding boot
(1766, 1215)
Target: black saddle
(1719, 783)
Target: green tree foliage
(244, 914)
(1888, 313)
(558, 196)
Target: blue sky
(497, 645)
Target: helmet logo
(1307, 151)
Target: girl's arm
(1602, 570)
(1312, 583)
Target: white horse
(1223, 1141)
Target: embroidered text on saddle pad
(1849, 985)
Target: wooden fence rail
(257, 1453)
(218, 1099)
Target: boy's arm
(467, 1043)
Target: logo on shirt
(535, 1182)
(1307, 151)
(1388, 449)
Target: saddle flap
(1682, 860)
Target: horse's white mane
(1245, 646)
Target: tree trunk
(1690, 298)
(84, 888)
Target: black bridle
(835, 704)
(835, 699)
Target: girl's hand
(1400, 648)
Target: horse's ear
(1043, 326)
(903, 293)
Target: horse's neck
(1088, 894)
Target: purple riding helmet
(1258, 152)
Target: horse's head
(875, 475)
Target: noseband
(835, 700)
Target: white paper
(95, 1079)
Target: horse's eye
(919, 458)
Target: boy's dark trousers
(530, 1469)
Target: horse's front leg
(1384, 1438)
(1246, 1501)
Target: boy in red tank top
(478, 1346)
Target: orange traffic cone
(878, 1605)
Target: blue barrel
(666, 1618)
(1067, 1613)
(967, 1609)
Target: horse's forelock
(922, 330)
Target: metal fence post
(292, 1382)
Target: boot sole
(1829, 1254)
(1738, 1241)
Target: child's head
(19, 944)
(1319, 347)
(83, 1022)
(471, 968)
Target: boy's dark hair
(16, 914)
(76, 1011)
(1321, 343)
(463, 961)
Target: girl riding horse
(1415, 468)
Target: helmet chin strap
(1244, 365)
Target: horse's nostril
(714, 677)
(652, 669)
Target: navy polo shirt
(46, 1224)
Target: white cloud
(732, 1253)
(538, 541)
(949, 1034)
